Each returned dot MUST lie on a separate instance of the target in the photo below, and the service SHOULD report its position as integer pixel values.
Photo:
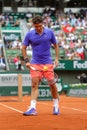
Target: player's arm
(24, 53)
(56, 47)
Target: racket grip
(54, 66)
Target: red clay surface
(73, 114)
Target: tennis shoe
(30, 112)
(56, 111)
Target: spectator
(16, 44)
(1, 47)
(80, 51)
(73, 20)
(18, 63)
(2, 63)
(76, 56)
(82, 78)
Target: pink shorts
(45, 71)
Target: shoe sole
(33, 114)
(56, 113)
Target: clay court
(73, 114)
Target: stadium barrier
(77, 90)
(20, 84)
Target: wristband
(26, 60)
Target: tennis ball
(45, 68)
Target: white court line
(10, 108)
(74, 109)
(71, 108)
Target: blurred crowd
(70, 30)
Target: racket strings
(54, 80)
(50, 82)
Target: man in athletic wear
(41, 39)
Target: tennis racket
(44, 81)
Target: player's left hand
(56, 63)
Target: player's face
(38, 27)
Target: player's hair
(37, 19)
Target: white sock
(33, 104)
(56, 103)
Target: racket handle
(54, 66)
(32, 68)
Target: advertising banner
(72, 65)
(77, 90)
(12, 80)
(11, 33)
(9, 86)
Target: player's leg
(34, 91)
(34, 95)
(35, 79)
(35, 76)
(54, 91)
(55, 96)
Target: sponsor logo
(12, 36)
(44, 92)
(78, 92)
(61, 66)
(78, 65)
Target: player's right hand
(28, 65)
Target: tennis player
(41, 39)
